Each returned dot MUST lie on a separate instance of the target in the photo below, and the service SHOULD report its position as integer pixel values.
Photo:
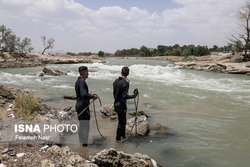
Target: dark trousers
(122, 120)
(84, 120)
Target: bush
(188, 59)
(27, 105)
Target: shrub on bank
(27, 105)
(188, 59)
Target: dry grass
(27, 105)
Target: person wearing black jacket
(120, 93)
(83, 98)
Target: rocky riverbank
(17, 60)
(53, 155)
(231, 64)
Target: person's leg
(83, 131)
(121, 124)
(124, 119)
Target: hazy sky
(108, 25)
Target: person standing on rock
(83, 98)
(120, 93)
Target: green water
(206, 114)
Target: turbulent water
(206, 114)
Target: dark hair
(82, 68)
(125, 71)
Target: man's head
(83, 71)
(125, 71)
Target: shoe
(123, 139)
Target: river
(206, 114)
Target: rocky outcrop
(157, 128)
(139, 113)
(17, 60)
(114, 158)
(69, 97)
(139, 126)
(108, 111)
(52, 72)
(48, 156)
(231, 68)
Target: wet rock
(114, 158)
(141, 125)
(41, 74)
(157, 128)
(6, 93)
(108, 110)
(215, 68)
(69, 97)
(139, 113)
(52, 72)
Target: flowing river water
(206, 114)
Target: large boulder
(52, 72)
(157, 128)
(139, 113)
(108, 111)
(141, 126)
(111, 157)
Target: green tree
(176, 52)
(100, 53)
(161, 49)
(186, 52)
(145, 51)
(25, 45)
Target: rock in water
(52, 72)
(139, 113)
(142, 126)
(69, 97)
(108, 110)
(157, 128)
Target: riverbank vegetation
(27, 105)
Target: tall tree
(7, 38)
(25, 45)
(244, 29)
(47, 44)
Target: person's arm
(83, 92)
(125, 92)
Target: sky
(109, 25)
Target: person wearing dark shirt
(120, 93)
(83, 98)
